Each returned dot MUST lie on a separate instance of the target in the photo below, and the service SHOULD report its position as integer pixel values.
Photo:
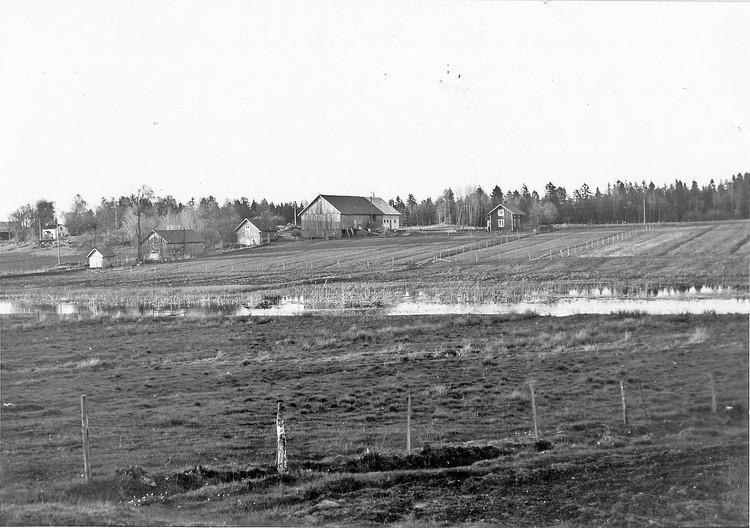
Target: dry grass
(169, 394)
(699, 335)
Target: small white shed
(101, 258)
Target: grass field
(192, 403)
(182, 409)
(623, 256)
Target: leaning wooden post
(85, 438)
(281, 460)
(712, 385)
(624, 404)
(408, 423)
(533, 410)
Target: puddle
(574, 306)
(601, 304)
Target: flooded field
(597, 301)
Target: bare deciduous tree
(139, 203)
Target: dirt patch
(136, 482)
(428, 458)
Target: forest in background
(128, 219)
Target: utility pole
(644, 205)
(57, 237)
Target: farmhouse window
(501, 213)
(501, 222)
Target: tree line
(129, 218)
(620, 202)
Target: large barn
(505, 218)
(332, 216)
(255, 231)
(162, 244)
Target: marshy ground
(182, 413)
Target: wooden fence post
(533, 410)
(624, 404)
(85, 438)
(281, 460)
(712, 385)
(408, 423)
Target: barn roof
(512, 208)
(4, 226)
(261, 223)
(385, 207)
(178, 236)
(105, 252)
(352, 205)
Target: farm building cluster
(327, 216)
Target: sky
(287, 100)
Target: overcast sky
(288, 100)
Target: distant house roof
(104, 251)
(384, 206)
(178, 236)
(261, 223)
(351, 205)
(513, 209)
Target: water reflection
(574, 306)
(571, 304)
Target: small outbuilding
(101, 258)
(162, 244)
(505, 218)
(255, 231)
(6, 233)
(54, 232)
(391, 216)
